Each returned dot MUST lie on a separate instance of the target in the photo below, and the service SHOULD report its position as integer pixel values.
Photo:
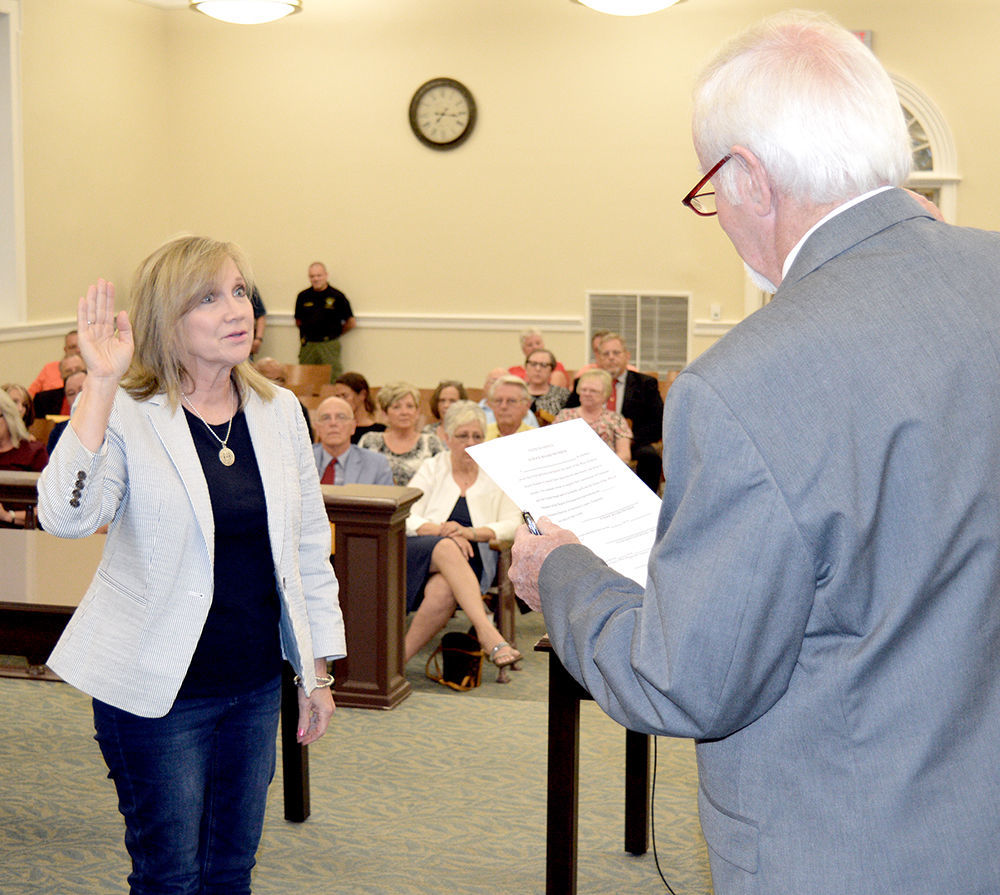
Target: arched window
(935, 164)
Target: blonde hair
(392, 392)
(12, 416)
(167, 285)
(603, 376)
(462, 412)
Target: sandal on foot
(510, 658)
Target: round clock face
(442, 113)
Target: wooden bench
(307, 379)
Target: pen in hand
(529, 520)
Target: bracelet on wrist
(321, 681)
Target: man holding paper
(821, 612)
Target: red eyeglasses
(703, 203)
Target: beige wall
(293, 140)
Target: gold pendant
(226, 456)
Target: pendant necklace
(226, 456)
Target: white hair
(462, 412)
(810, 100)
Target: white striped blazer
(131, 639)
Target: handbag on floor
(457, 662)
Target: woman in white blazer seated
(448, 559)
(216, 564)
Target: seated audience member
(636, 397)
(448, 560)
(531, 340)
(546, 399)
(17, 450)
(594, 389)
(75, 383)
(509, 400)
(53, 401)
(595, 347)
(402, 443)
(354, 389)
(272, 369)
(484, 402)
(50, 377)
(448, 391)
(277, 372)
(22, 398)
(339, 462)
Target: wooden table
(564, 780)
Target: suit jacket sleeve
(711, 643)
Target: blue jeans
(192, 787)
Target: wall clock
(442, 113)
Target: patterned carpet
(445, 793)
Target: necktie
(613, 399)
(329, 474)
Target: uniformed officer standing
(322, 314)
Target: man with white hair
(821, 613)
(339, 462)
(509, 400)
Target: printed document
(566, 472)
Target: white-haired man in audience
(509, 400)
(339, 462)
(821, 612)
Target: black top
(363, 430)
(240, 647)
(322, 314)
(460, 514)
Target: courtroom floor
(443, 794)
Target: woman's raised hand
(105, 340)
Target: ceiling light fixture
(247, 12)
(627, 7)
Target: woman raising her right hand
(216, 565)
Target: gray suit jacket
(131, 640)
(823, 607)
(361, 466)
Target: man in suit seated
(339, 462)
(59, 401)
(821, 612)
(636, 397)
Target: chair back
(306, 379)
